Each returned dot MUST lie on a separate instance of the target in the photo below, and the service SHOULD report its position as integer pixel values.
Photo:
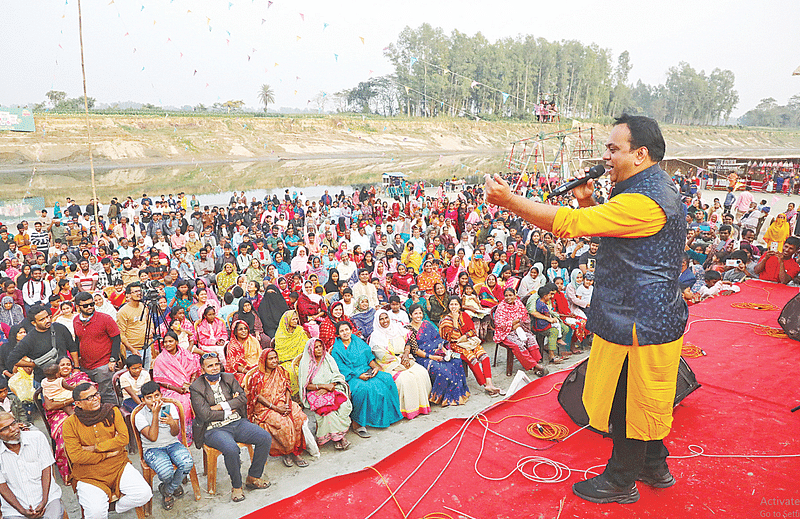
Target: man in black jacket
(45, 343)
(220, 408)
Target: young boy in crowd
(132, 381)
(159, 424)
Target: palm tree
(266, 95)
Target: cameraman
(132, 322)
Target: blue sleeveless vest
(636, 279)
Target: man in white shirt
(36, 289)
(364, 288)
(26, 475)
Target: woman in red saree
(174, 369)
(243, 350)
(270, 406)
(401, 281)
(310, 309)
(327, 330)
(491, 293)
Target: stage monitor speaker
(571, 394)
(790, 318)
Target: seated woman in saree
(478, 268)
(510, 321)
(437, 303)
(446, 371)
(376, 402)
(393, 353)
(55, 414)
(211, 334)
(184, 328)
(327, 330)
(490, 293)
(416, 297)
(532, 282)
(311, 309)
(203, 301)
(270, 406)
(363, 317)
(289, 342)
(174, 369)
(243, 350)
(272, 308)
(457, 328)
(247, 314)
(324, 390)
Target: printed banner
(16, 119)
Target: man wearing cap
(637, 313)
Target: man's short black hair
(135, 284)
(724, 228)
(149, 387)
(82, 296)
(793, 240)
(645, 132)
(38, 308)
(80, 388)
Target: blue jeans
(225, 440)
(161, 460)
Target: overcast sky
(184, 52)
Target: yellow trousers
(652, 379)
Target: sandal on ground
(178, 492)
(344, 444)
(237, 496)
(362, 431)
(338, 446)
(287, 461)
(257, 484)
(576, 351)
(167, 502)
(300, 462)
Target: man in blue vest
(637, 313)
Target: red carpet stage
(749, 383)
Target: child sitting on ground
(132, 382)
(56, 388)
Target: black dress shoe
(656, 479)
(599, 490)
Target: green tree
(55, 97)
(266, 96)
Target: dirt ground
(289, 481)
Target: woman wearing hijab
(317, 269)
(300, 261)
(363, 317)
(272, 308)
(393, 354)
(324, 390)
(531, 283)
(290, 338)
(10, 312)
(311, 309)
(331, 286)
(247, 314)
(777, 232)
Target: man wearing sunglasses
(97, 344)
(95, 438)
(26, 474)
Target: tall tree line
(769, 113)
(460, 75)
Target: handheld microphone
(594, 172)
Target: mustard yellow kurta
(652, 368)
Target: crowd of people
(286, 323)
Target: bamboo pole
(88, 128)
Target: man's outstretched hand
(497, 190)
